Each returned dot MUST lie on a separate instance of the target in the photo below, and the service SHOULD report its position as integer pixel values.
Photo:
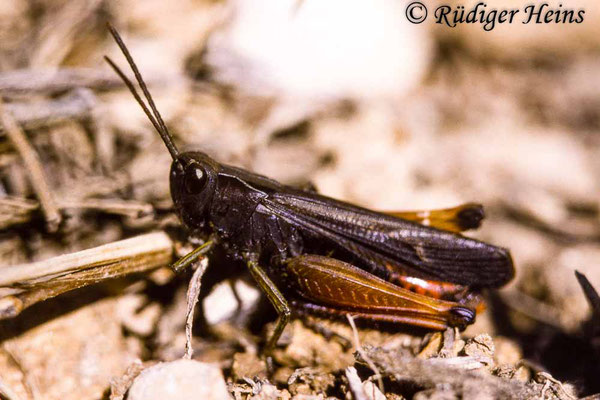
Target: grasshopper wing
(387, 244)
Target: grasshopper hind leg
(328, 286)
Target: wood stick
(52, 80)
(33, 115)
(157, 244)
(17, 210)
(45, 279)
(14, 211)
(34, 168)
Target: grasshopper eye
(194, 180)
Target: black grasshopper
(312, 253)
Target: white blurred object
(321, 48)
(221, 303)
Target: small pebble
(248, 365)
(181, 380)
(481, 347)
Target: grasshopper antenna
(153, 116)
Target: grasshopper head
(193, 182)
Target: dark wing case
(381, 241)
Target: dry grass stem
(49, 278)
(122, 251)
(363, 354)
(50, 80)
(33, 115)
(34, 168)
(193, 294)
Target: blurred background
(346, 94)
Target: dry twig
(15, 211)
(129, 208)
(193, 294)
(439, 374)
(34, 168)
(32, 115)
(41, 81)
(364, 355)
(49, 278)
